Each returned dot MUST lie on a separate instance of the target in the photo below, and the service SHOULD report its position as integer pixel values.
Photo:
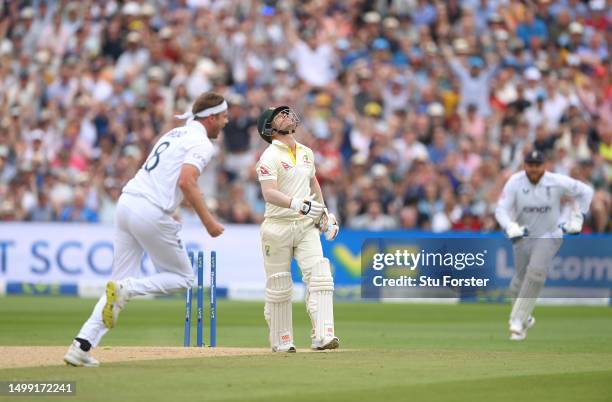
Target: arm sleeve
(504, 211)
(580, 192)
(492, 71)
(266, 169)
(457, 68)
(198, 156)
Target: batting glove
(310, 208)
(514, 231)
(328, 225)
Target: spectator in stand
(415, 111)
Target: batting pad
(277, 310)
(320, 300)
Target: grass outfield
(395, 352)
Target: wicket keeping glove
(308, 207)
(573, 225)
(514, 231)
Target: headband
(222, 107)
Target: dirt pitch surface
(36, 356)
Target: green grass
(398, 352)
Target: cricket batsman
(295, 216)
(530, 212)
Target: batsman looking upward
(143, 221)
(295, 215)
(530, 212)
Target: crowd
(417, 111)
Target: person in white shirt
(294, 217)
(530, 212)
(143, 221)
(313, 57)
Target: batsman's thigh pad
(320, 299)
(308, 251)
(277, 310)
(276, 247)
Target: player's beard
(286, 121)
(534, 172)
(534, 177)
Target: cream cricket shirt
(291, 172)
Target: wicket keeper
(530, 212)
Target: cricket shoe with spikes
(116, 297)
(531, 322)
(78, 357)
(284, 349)
(518, 331)
(327, 343)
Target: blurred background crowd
(417, 111)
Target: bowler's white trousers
(141, 226)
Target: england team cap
(534, 156)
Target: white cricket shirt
(538, 207)
(157, 179)
(291, 172)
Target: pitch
(389, 352)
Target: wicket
(187, 336)
(200, 341)
(200, 300)
(213, 299)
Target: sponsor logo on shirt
(177, 132)
(264, 171)
(285, 166)
(537, 209)
(306, 160)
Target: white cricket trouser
(141, 226)
(532, 260)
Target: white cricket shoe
(518, 332)
(531, 322)
(284, 349)
(116, 297)
(78, 357)
(327, 343)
